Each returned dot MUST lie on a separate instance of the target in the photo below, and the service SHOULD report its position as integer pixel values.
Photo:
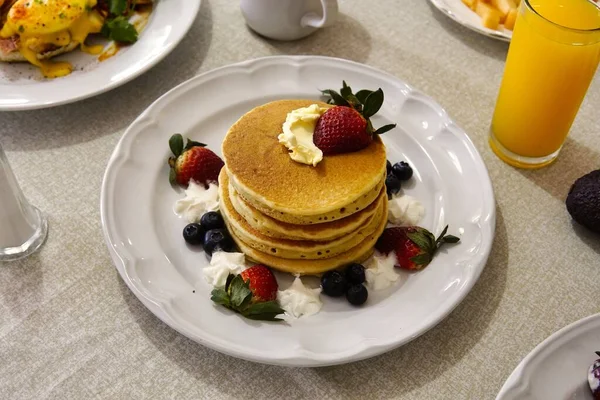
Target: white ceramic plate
(22, 86)
(144, 235)
(557, 368)
(462, 14)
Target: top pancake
(261, 169)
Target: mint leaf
(120, 30)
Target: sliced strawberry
(262, 283)
(252, 293)
(414, 246)
(194, 161)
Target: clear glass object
(553, 55)
(23, 228)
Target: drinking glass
(553, 55)
(23, 228)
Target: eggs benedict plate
(35, 31)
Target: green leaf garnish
(120, 30)
(238, 297)
(384, 129)
(373, 103)
(117, 7)
(176, 144)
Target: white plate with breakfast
(492, 18)
(264, 212)
(564, 366)
(54, 52)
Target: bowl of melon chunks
(495, 13)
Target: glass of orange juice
(553, 55)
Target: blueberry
(355, 274)
(333, 283)
(388, 167)
(392, 184)
(402, 170)
(217, 239)
(357, 294)
(212, 220)
(193, 234)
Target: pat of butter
(297, 136)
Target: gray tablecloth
(70, 328)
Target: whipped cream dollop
(197, 201)
(298, 300)
(405, 210)
(221, 265)
(297, 136)
(380, 273)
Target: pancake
(359, 253)
(295, 249)
(356, 206)
(282, 230)
(263, 173)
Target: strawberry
(194, 161)
(252, 294)
(414, 246)
(341, 129)
(262, 283)
(347, 127)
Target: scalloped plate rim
(302, 357)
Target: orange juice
(553, 55)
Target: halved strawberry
(252, 293)
(262, 283)
(194, 161)
(414, 246)
(347, 127)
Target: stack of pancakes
(295, 217)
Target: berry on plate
(333, 283)
(347, 127)
(392, 185)
(357, 294)
(247, 294)
(402, 170)
(217, 239)
(212, 220)
(194, 161)
(193, 234)
(414, 246)
(355, 273)
(262, 283)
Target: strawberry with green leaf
(194, 161)
(252, 294)
(414, 246)
(347, 127)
